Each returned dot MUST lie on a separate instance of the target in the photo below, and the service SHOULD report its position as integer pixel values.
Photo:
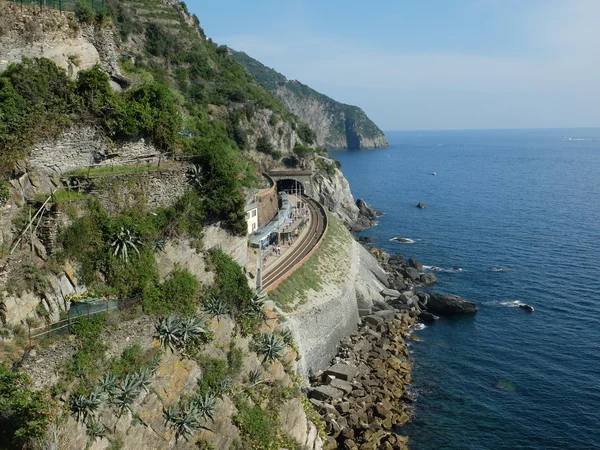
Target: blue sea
(519, 212)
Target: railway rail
(293, 259)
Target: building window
(254, 213)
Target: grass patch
(324, 265)
(62, 196)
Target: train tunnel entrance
(291, 186)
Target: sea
(512, 217)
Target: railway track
(295, 255)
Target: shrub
(24, 414)
(235, 358)
(230, 283)
(307, 135)
(178, 295)
(255, 426)
(213, 372)
(84, 12)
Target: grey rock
(326, 393)
(393, 293)
(412, 273)
(427, 278)
(426, 317)
(412, 262)
(342, 385)
(342, 371)
(447, 304)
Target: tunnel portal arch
(290, 185)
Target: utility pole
(259, 269)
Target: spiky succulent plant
(96, 429)
(192, 330)
(223, 387)
(269, 345)
(195, 177)
(205, 405)
(84, 406)
(123, 240)
(255, 377)
(107, 383)
(216, 307)
(143, 378)
(185, 421)
(168, 332)
(256, 304)
(287, 336)
(126, 392)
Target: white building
(251, 214)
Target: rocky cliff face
(337, 125)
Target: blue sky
(429, 64)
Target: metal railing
(78, 311)
(61, 5)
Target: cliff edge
(337, 125)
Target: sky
(429, 64)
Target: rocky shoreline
(362, 397)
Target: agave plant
(185, 421)
(195, 177)
(216, 307)
(168, 332)
(223, 387)
(287, 336)
(255, 377)
(143, 378)
(159, 245)
(84, 406)
(96, 429)
(256, 304)
(270, 346)
(107, 383)
(126, 392)
(205, 404)
(123, 240)
(192, 330)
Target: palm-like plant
(195, 177)
(84, 406)
(270, 346)
(124, 239)
(216, 307)
(168, 332)
(205, 405)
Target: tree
(24, 414)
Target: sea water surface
(519, 212)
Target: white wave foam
(442, 269)
(418, 326)
(402, 240)
(502, 269)
(512, 303)
(580, 139)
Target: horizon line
(494, 129)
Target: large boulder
(412, 262)
(427, 278)
(367, 210)
(448, 305)
(412, 273)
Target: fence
(76, 312)
(61, 5)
